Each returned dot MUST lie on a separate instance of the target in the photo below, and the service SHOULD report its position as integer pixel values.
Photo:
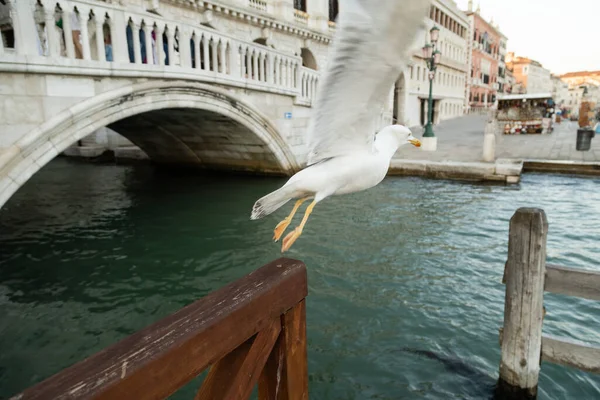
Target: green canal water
(90, 254)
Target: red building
(487, 60)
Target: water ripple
(91, 254)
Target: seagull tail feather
(273, 201)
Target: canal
(92, 253)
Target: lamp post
(432, 57)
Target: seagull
(372, 45)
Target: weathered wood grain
(572, 282)
(294, 344)
(568, 352)
(571, 353)
(270, 385)
(156, 361)
(234, 376)
(523, 310)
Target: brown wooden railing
(250, 332)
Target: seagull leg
(282, 226)
(291, 237)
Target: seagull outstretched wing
(370, 49)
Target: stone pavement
(461, 139)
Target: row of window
(333, 8)
(442, 78)
(483, 39)
(449, 109)
(485, 78)
(477, 98)
(453, 52)
(447, 22)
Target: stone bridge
(184, 92)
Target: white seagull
(371, 47)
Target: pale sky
(562, 35)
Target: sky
(562, 35)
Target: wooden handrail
(572, 282)
(250, 331)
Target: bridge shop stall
(520, 114)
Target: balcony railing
(251, 332)
(309, 81)
(120, 42)
(301, 17)
(260, 5)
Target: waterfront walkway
(461, 140)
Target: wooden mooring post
(527, 276)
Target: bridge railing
(527, 277)
(250, 332)
(309, 80)
(92, 37)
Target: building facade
(530, 75)
(560, 91)
(411, 92)
(487, 52)
(581, 78)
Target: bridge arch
(183, 123)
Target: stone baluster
(288, 72)
(99, 22)
(234, 59)
(304, 85)
(137, 47)
(197, 48)
(249, 71)
(214, 55)
(269, 69)
(279, 68)
(118, 36)
(223, 56)
(255, 72)
(148, 28)
(170, 31)
(205, 51)
(298, 85)
(160, 53)
(53, 38)
(242, 56)
(68, 32)
(84, 16)
(25, 31)
(185, 56)
(262, 66)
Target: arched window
(308, 59)
(333, 10)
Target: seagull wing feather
(371, 48)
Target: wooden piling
(523, 309)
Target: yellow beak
(415, 142)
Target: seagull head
(402, 134)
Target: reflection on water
(90, 254)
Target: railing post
(84, 16)
(67, 14)
(135, 26)
(234, 59)
(148, 27)
(118, 36)
(26, 36)
(53, 35)
(99, 25)
(160, 47)
(523, 309)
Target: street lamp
(432, 57)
